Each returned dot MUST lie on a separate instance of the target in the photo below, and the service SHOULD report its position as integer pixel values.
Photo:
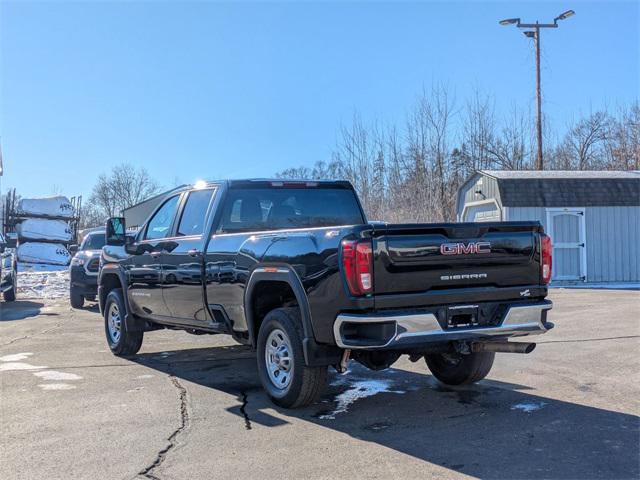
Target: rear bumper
(413, 330)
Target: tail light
(547, 255)
(357, 263)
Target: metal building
(136, 215)
(593, 217)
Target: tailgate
(421, 257)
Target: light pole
(535, 34)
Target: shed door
(567, 231)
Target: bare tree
(123, 187)
(623, 142)
(411, 174)
(585, 142)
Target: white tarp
(37, 252)
(43, 229)
(47, 207)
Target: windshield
(94, 241)
(259, 209)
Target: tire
(76, 298)
(120, 340)
(458, 369)
(10, 295)
(282, 329)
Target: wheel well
(265, 296)
(108, 282)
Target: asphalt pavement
(190, 407)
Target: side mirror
(131, 247)
(116, 232)
(73, 249)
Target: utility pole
(535, 35)
(539, 163)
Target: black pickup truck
(294, 269)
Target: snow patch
(55, 375)
(528, 407)
(56, 386)
(16, 357)
(43, 284)
(10, 366)
(358, 389)
(144, 376)
(601, 286)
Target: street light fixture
(535, 35)
(564, 15)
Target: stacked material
(39, 252)
(43, 229)
(44, 232)
(51, 207)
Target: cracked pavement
(191, 406)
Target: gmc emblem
(465, 248)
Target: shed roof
(567, 188)
(549, 174)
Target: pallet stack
(44, 230)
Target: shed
(593, 217)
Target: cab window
(194, 213)
(160, 224)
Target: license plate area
(462, 316)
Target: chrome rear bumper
(413, 330)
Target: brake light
(547, 260)
(357, 263)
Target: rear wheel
(459, 369)
(75, 297)
(121, 341)
(281, 367)
(10, 295)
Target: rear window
(258, 209)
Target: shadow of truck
(489, 430)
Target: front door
(567, 231)
(144, 270)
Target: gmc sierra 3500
(294, 269)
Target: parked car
(8, 271)
(294, 269)
(84, 268)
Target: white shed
(593, 217)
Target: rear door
(567, 231)
(182, 263)
(145, 270)
(427, 257)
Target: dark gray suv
(84, 268)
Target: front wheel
(75, 297)
(121, 341)
(459, 369)
(281, 367)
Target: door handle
(193, 252)
(155, 254)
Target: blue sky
(216, 90)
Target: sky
(193, 90)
